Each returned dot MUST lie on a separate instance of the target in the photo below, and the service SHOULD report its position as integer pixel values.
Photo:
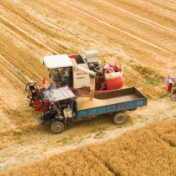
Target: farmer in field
(169, 83)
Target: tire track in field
(6, 73)
(15, 71)
(25, 35)
(165, 0)
(18, 65)
(171, 1)
(20, 59)
(122, 31)
(137, 16)
(24, 11)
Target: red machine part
(99, 83)
(74, 57)
(110, 70)
(113, 68)
(116, 69)
(44, 107)
(37, 103)
(115, 83)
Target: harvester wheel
(119, 118)
(173, 97)
(57, 127)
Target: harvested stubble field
(138, 34)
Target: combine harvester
(74, 71)
(73, 78)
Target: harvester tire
(119, 118)
(173, 97)
(57, 127)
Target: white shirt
(170, 80)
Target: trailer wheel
(119, 118)
(57, 127)
(173, 97)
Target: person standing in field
(169, 83)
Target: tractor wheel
(119, 118)
(173, 97)
(57, 127)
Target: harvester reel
(29, 85)
(31, 89)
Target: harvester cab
(71, 71)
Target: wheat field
(140, 35)
(147, 151)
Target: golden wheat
(138, 35)
(148, 151)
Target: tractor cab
(59, 106)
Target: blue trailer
(65, 107)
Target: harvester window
(62, 76)
(66, 77)
(80, 59)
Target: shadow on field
(87, 126)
